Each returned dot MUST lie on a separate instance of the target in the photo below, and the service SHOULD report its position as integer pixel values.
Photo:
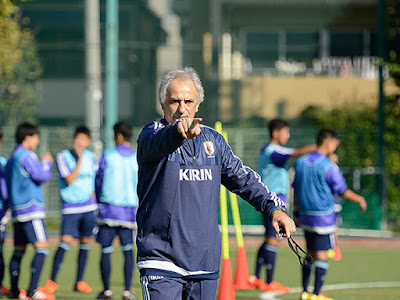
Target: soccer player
(3, 216)
(76, 168)
(24, 175)
(316, 181)
(116, 182)
(273, 170)
(181, 167)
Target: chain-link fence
(246, 143)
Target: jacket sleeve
(157, 141)
(245, 182)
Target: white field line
(338, 286)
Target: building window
(262, 48)
(313, 52)
(346, 44)
(302, 47)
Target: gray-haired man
(181, 166)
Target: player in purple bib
(76, 168)
(316, 181)
(24, 175)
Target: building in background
(60, 35)
(169, 55)
(283, 55)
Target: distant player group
(98, 199)
(173, 189)
(318, 186)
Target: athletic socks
(128, 266)
(82, 258)
(58, 259)
(260, 259)
(306, 271)
(269, 260)
(14, 269)
(320, 273)
(105, 266)
(36, 267)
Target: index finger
(195, 122)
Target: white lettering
(195, 174)
(183, 175)
(208, 174)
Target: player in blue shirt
(272, 166)
(116, 182)
(76, 169)
(3, 216)
(181, 167)
(316, 181)
(24, 175)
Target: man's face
(32, 141)
(180, 100)
(282, 135)
(332, 144)
(81, 141)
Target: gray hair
(185, 73)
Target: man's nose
(182, 107)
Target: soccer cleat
(83, 287)
(319, 297)
(305, 296)
(107, 294)
(258, 283)
(3, 290)
(20, 295)
(50, 287)
(337, 254)
(276, 287)
(127, 295)
(39, 294)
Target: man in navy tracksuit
(181, 167)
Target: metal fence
(246, 143)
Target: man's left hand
(281, 220)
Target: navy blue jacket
(179, 189)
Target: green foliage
(393, 39)
(356, 125)
(19, 67)
(392, 144)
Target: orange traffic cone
(226, 290)
(242, 271)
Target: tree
(19, 67)
(393, 38)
